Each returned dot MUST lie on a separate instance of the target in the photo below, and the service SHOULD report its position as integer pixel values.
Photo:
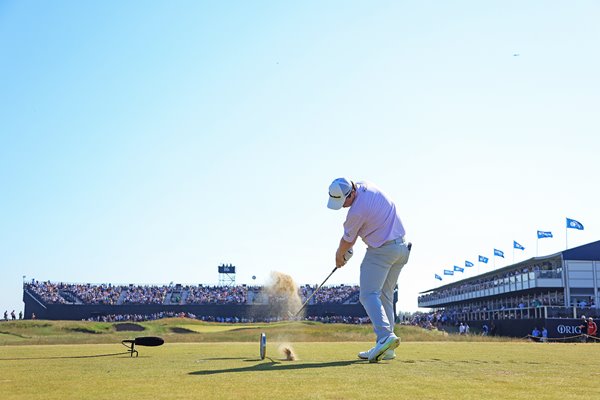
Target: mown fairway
(325, 370)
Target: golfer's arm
(342, 248)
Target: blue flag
(483, 259)
(468, 264)
(438, 277)
(518, 246)
(571, 223)
(459, 269)
(542, 234)
(447, 272)
(498, 253)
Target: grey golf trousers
(379, 272)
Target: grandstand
(552, 291)
(72, 301)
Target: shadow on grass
(277, 366)
(15, 334)
(66, 357)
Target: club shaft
(315, 292)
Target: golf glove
(348, 254)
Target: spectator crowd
(68, 293)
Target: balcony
(511, 284)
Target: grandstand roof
(589, 251)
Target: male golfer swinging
(373, 217)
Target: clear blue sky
(148, 142)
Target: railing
(34, 297)
(542, 312)
(523, 281)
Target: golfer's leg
(373, 273)
(387, 294)
(387, 291)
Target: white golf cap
(339, 190)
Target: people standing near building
(583, 328)
(493, 329)
(373, 217)
(592, 328)
(544, 334)
(485, 329)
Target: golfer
(372, 216)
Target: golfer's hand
(339, 260)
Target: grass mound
(181, 330)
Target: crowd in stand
(94, 294)
(140, 317)
(66, 293)
(585, 301)
(335, 294)
(216, 294)
(545, 269)
(340, 319)
(550, 298)
(47, 292)
(233, 320)
(145, 295)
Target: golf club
(311, 296)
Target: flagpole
(536, 246)
(513, 253)
(567, 237)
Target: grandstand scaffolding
(226, 275)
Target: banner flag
(517, 246)
(438, 277)
(468, 264)
(498, 253)
(483, 259)
(542, 234)
(447, 272)
(459, 269)
(571, 223)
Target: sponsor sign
(563, 327)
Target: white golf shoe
(389, 355)
(385, 344)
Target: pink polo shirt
(372, 216)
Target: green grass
(325, 370)
(72, 332)
(187, 366)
